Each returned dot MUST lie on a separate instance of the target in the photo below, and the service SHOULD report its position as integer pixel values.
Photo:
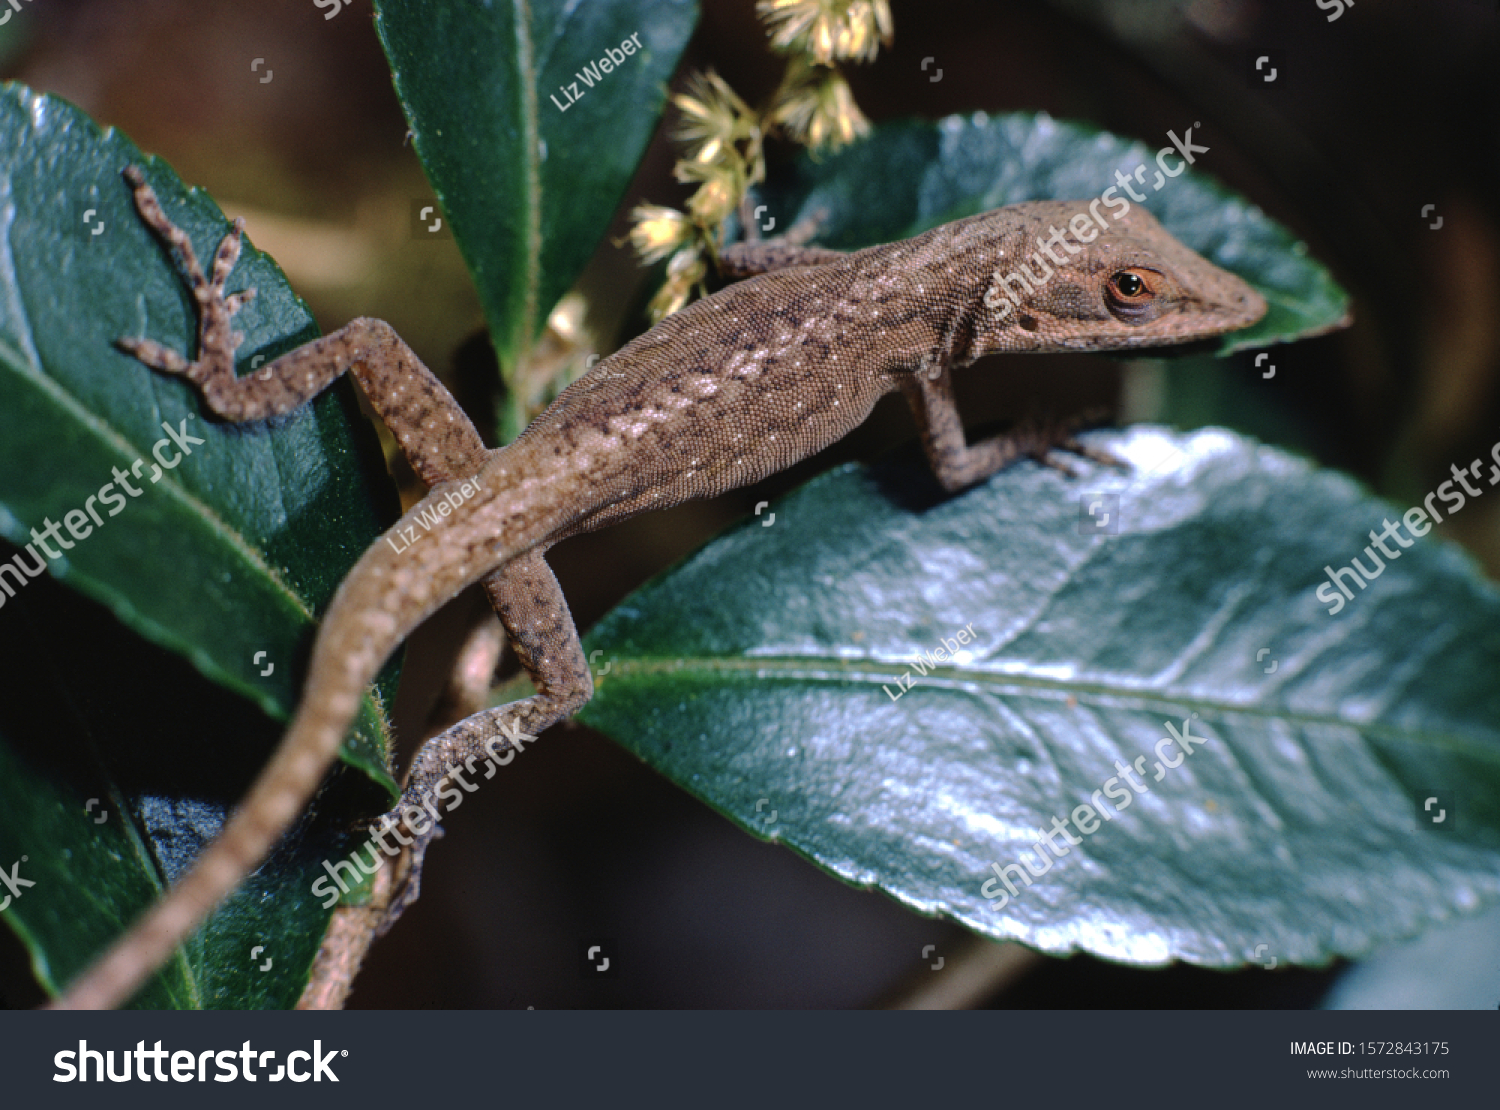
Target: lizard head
(1057, 279)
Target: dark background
(1388, 109)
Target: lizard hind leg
(217, 340)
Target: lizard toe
(154, 355)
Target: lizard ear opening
(1133, 295)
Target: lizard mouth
(1242, 306)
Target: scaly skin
(718, 395)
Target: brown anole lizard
(722, 393)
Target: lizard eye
(1132, 295)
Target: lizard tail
(361, 630)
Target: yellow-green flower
(815, 107)
(713, 117)
(684, 271)
(828, 30)
(725, 138)
(722, 186)
(658, 231)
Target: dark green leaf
(119, 762)
(760, 676)
(910, 176)
(222, 560)
(528, 175)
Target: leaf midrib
(878, 672)
(532, 183)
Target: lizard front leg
(957, 464)
(761, 256)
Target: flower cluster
(724, 137)
(828, 30)
(814, 106)
(724, 158)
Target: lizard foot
(408, 879)
(1037, 439)
(216, 339)
(435, 775)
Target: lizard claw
(227, 255)
(805, 230)
(235, 301)
(1097, 454)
